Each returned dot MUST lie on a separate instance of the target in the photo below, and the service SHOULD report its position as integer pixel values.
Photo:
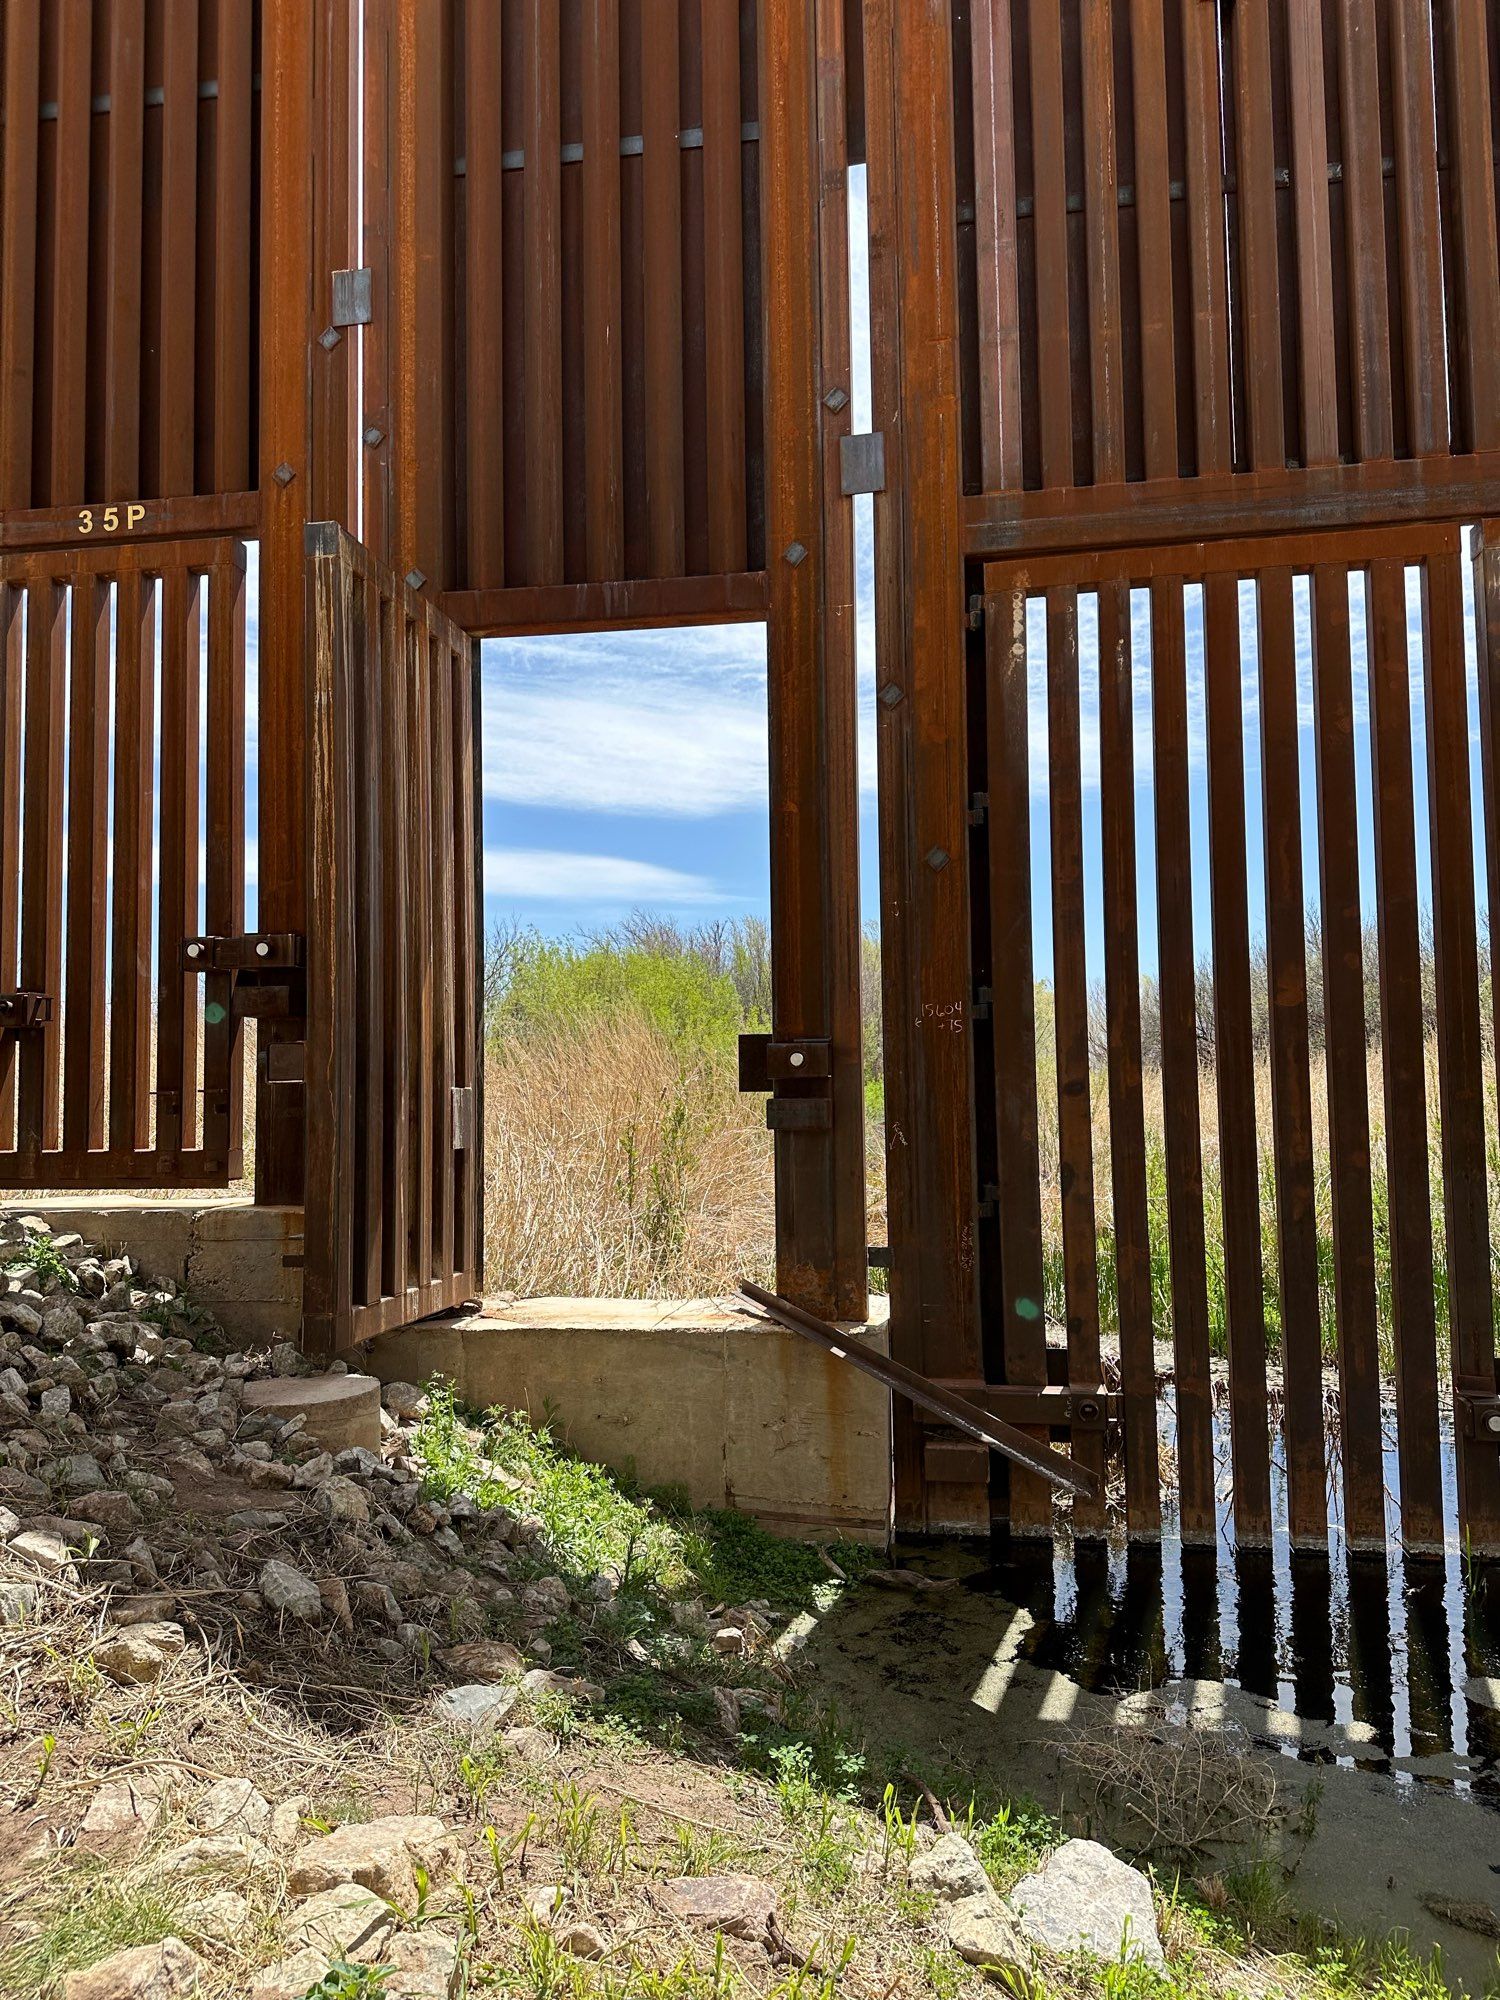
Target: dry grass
(620, 1164)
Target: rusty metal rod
(926, 1394)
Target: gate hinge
(983, 996)
(979, 806)
(24, 1010)
(975, 618)
(862, 463)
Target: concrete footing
(244, 1263)
(699, 1396)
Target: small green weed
(343, 1981)
(1014, 1841)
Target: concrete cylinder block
(340, 1410)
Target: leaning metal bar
(965, 1416)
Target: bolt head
(415, 578)
(284, 474)
(836, 400)
(329, 338)
(374, 435)
(262, 950)
(891, 696)
(798, 1059)
(937, 859)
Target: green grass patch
(76, 1919)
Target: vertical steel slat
(1101, 202)
(996, 247)
(1153, 222)
(724, 261)
(543, 244)
(1234, 1061)
(1364, 228)
(1182, 1122)
(484, 268)
(366, 885)
(224, 891)
(660, 125)
(1253, 213)
(1207, 272)
(396, 800)
(177, 907)
(12, 679)
(134, 787)
(1070, 1002)
(603, 380)
(1291, 1081)
(1049, 177)
(1471, 83)
(70, 252)
(1362, 1444)
(123, 268)
(84, 1024)
(1316, 359)
(440, 838)
(179, 247)
(1014, 1006)
(1461, 1113)
(1403, 1061)
(1419, 226)
(38, 1125)
(18, 248)
(233, 457)
(1127, 1123)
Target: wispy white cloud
(522, 874)
(671, 724)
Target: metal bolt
(195, 951)
(836, 400)
(262, 950)
(937, 859)
(796, 554)
(283, 475)
(1493, 1423)
(374, 434)
(416, 578)
(798, 1059)
(329, 338)
(891, 695)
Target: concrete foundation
(700, 1396)
(244, 1263)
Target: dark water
(1391, 1651)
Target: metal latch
(25, 1010)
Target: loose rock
(164, 1971)
(1083, 1898)
(950, 1870)
(739, 1905)
(141, 1653)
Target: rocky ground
(459, 1715)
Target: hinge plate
(353, 302)
(862, 463)
(25, 1010)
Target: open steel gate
(393, 1052)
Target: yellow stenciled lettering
(85, 520)
(111, 520)
(134, 516)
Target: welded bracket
(862, 463)
(1480, 1411)
(24, 1010)
(353, 303)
